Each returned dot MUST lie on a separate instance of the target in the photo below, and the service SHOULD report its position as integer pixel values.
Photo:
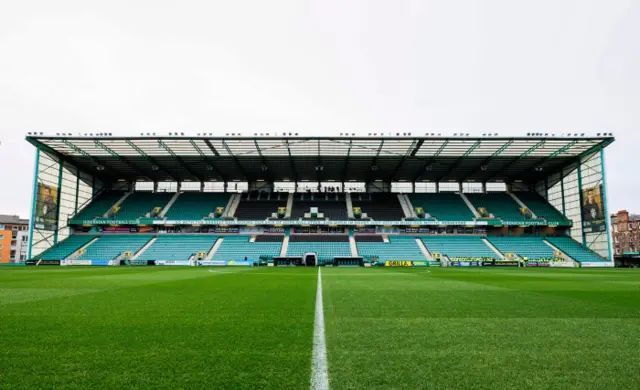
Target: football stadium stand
(178, 246)
(443, 206)
(528, 248)
(326, 247)
(197, 205)
(398, 248)
(575, 250)
(398, 199)
(541, 208)
(110, 246)
(500, 205)
(236, 248)
(100, 206)
(459, 247)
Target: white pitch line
(319, 371)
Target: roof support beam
(264, 167)
(487, 160)
(411, 151)
(416, 147)
(430, 160)
(520, 157)
(293, 165)
(233, 156)
(459, 160)
(122, 159)
(343, 175)
(207, 160)
(156, 164)
(375, 159)
(180, 161)
(212, 148)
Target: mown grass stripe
(319, 370)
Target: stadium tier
(197, 205)
(108, 247)
(443, 206)
(575, 250)
(227, 198)
(327, 247)
(330, 205)
(397, 248)
(530, 248)
(458, 247)
(500, 205)
(237, 248)
(541, 208)
(178, 246)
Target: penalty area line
(319, 370)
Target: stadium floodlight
(455, 134)
(374, 167)
(154, 167)
(598, 134)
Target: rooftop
(12, 220)
(299, 158)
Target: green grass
(237, 328)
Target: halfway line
(319, 371)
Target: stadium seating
(99, 206)
(260, 206)
(326, 247)
(443, 206)
(139, 204)
(379, 206)
(65, 247)
(178, 246)
(574, 249)
(196, 205)
(398, 248)
(500, 204)
(531, 248)
(541, 208)
(238, 247)
(108, 247)
(332, 205)
(459, 246)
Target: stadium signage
(590, 264)
(398, 263)
(280, 222)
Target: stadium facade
(274, 199)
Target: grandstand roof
(298, 158)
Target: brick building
(626, 234)
(14, 239)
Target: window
(14, 228)
(24, 228)
(25, 238)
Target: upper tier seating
(332, 205)
(575, 250)
(236, 248)
(459, 246)
(443, 206)
(178, 246)
(379, 205)
(108, 247)
(398, 248)
(325, 246)
(531, 248)
(99, 206)
(138, 204)
(65, 248)
(196, 205)
(260, 206)
(500, 204)
(541, 208)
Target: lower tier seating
(398, 248)
(65, 248)
(530, 248)
(459, 246)
(236, 248)
(178, 247)
(108, 247)
(325, 246)
(575, 250)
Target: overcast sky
(319, 67)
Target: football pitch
(163, 327)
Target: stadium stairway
(178, 247)
(99, 206)
(467, 201)
(287, 213)
(65, 248)
(168, 206)
(424, 249)
(108, 247)
(285, 246)
(143, 249)
(500, 204)
(214, 249)
(525, 247)
(121, 200)
(493, 248)
(349, 202)
(521, 204)
(232, 206)
(543, 209)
